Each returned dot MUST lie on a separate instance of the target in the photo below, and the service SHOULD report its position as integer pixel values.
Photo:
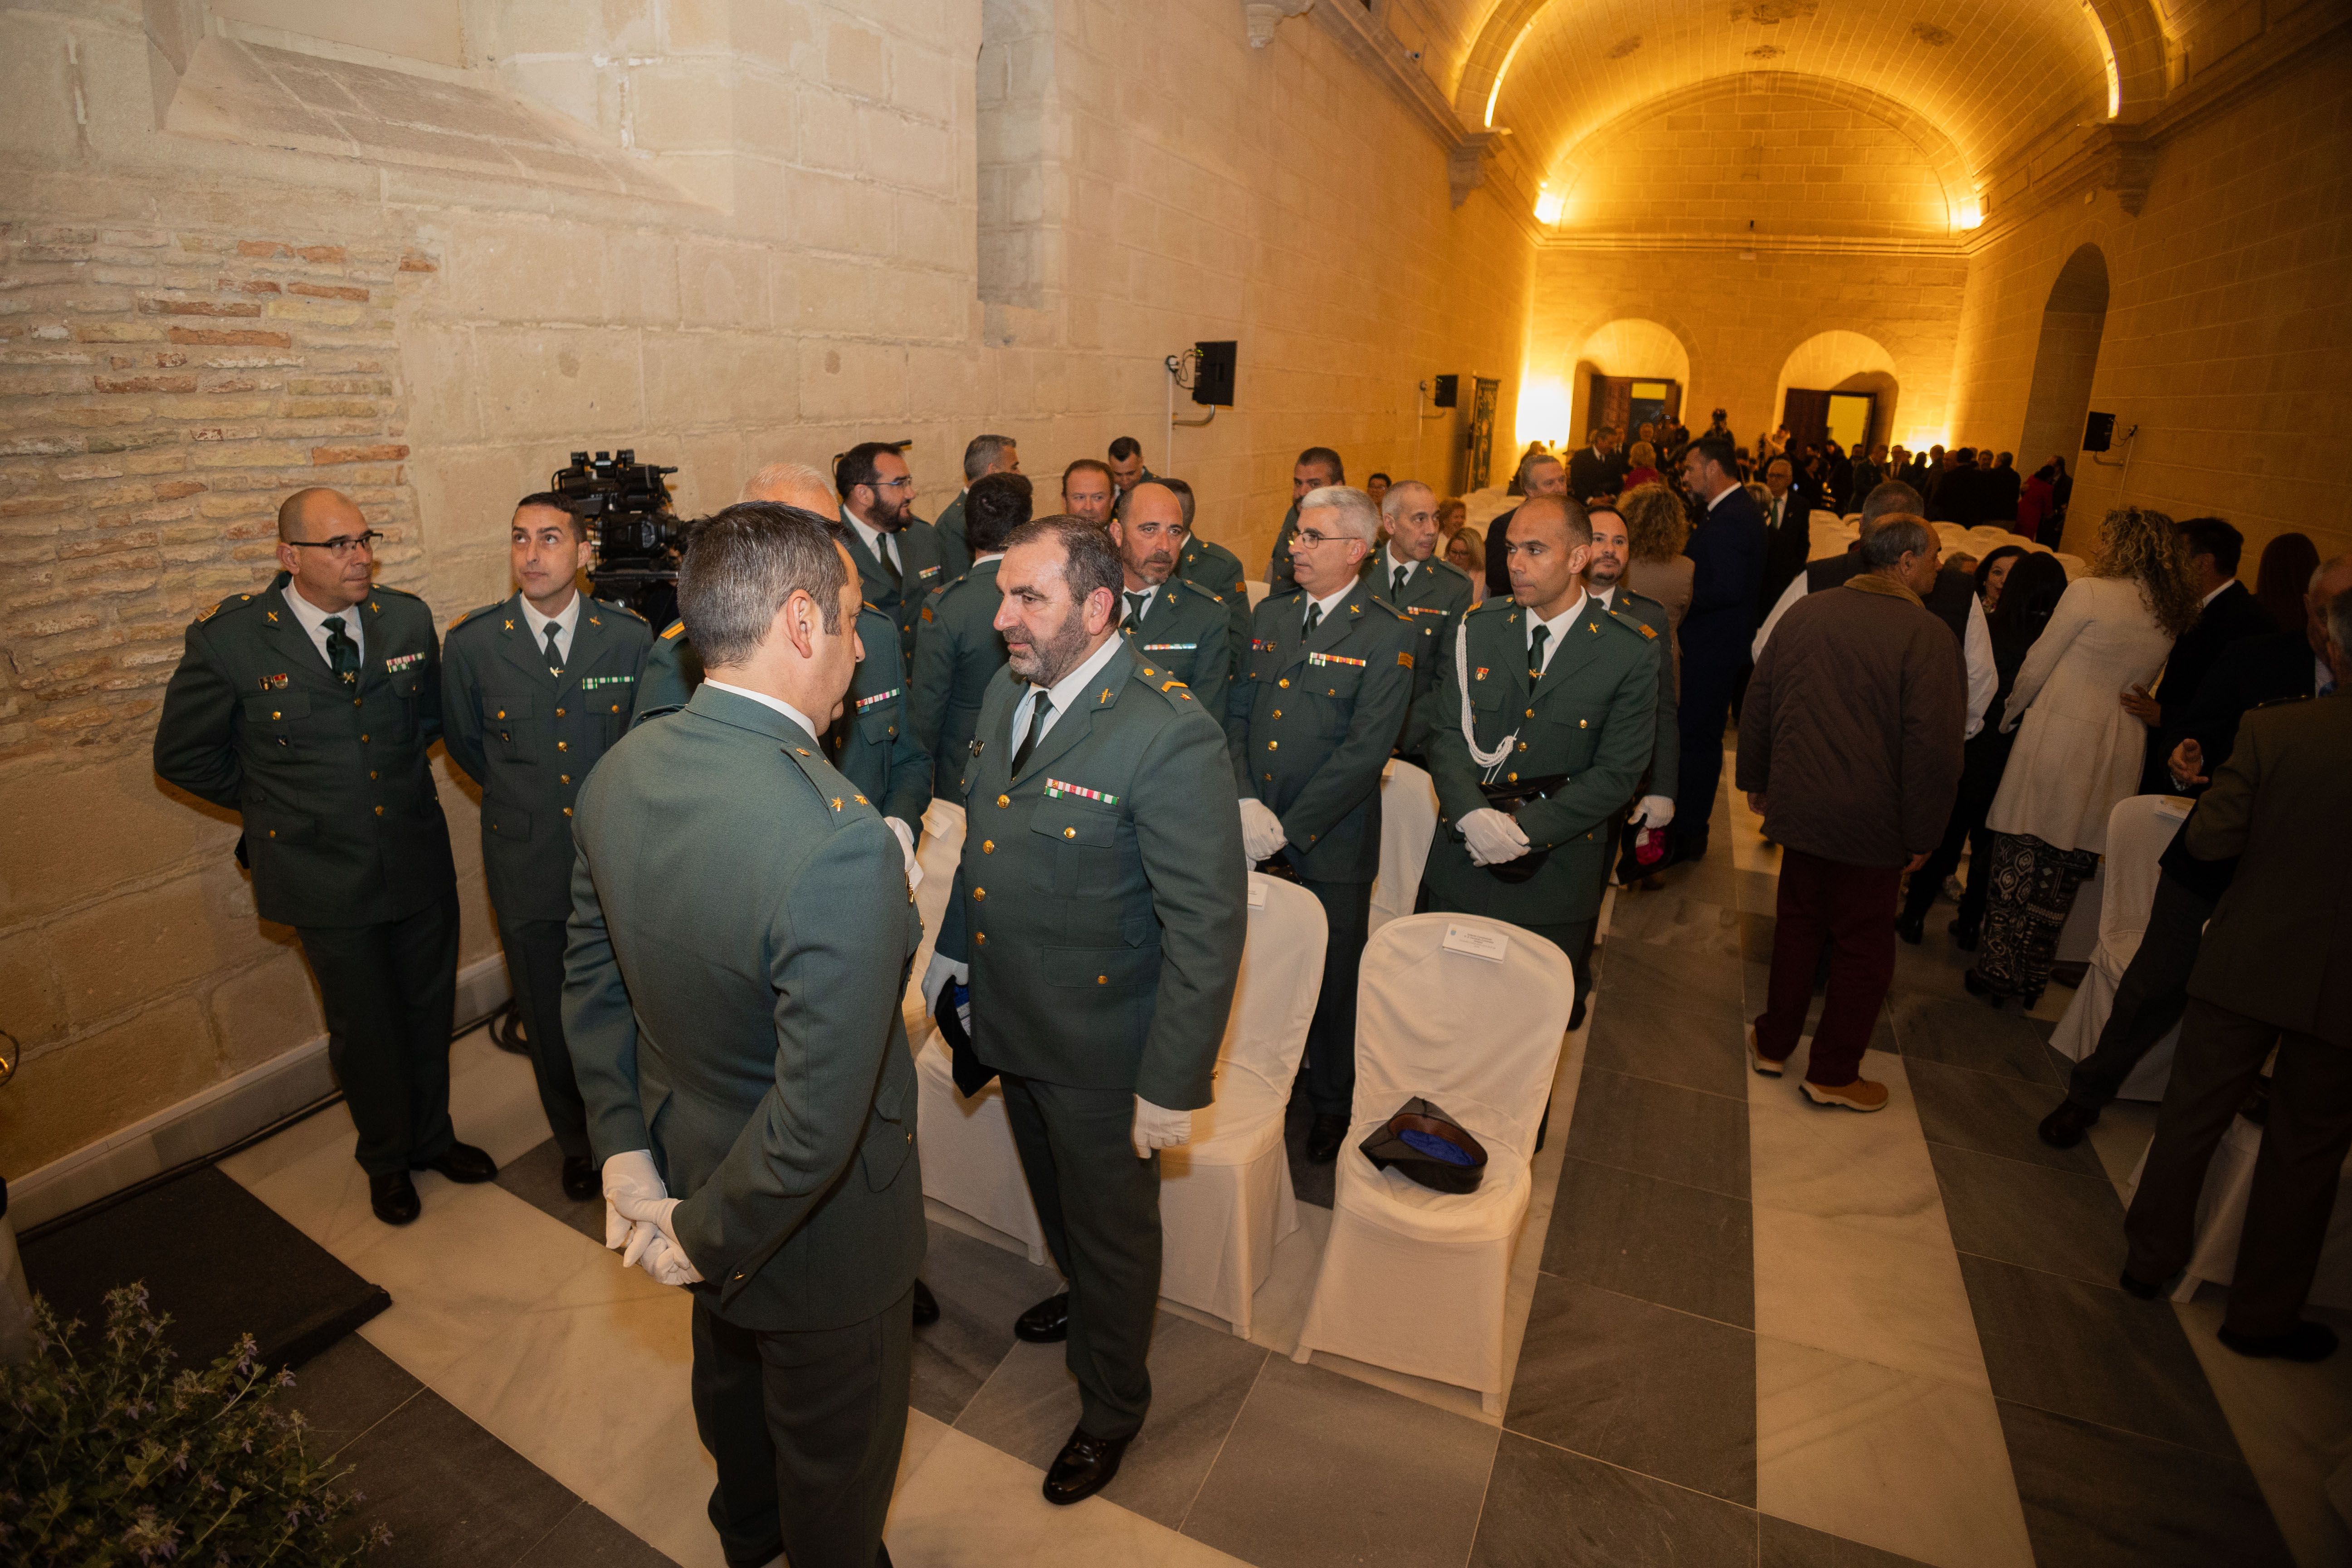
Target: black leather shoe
(1964, 935)
(927, 1306)
(1912, 928)
(2305, 1341)
(580, 1180)
(463, 1162)
(1324, 1138)
(1046, 1323)
(2134, 1286)
(1576, 1011)
(2063, 1127)
(394, 1199)
(1084, 1467)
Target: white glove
(943, 970)
(1653, 810)
(907, 847)
(631, 1175)
(654, 1245)
(1156, 1128)
(1493, 837)
(1262, 835)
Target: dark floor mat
(218, 1260)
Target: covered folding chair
(1257, 591)
(2138, 830)
(1413, 1279)
(1408, 823)
(1225, 1198)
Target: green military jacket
(955, 544)
(1667, 752)
(956, 653)
(529, 738)
(902, 601)
(342, 826)
(1311, 724)
(1435, 597)
(1186, 631)
(1102, 900)
(873, 742)
(1592, 718)
(1211, 565)
(741, 932)
(1278, 577)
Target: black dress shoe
(2063, 1127)
(1046, 1323)
(394, 1199)
(580, 1181)
(927, 1306)
(1324, 1138)
(1912, 928)
(1084, 1467)
(2305, 1341)
(1964, 935)
(1576, 1011)
(463, 1162)
(2134, 1286)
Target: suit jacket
(2234, 616)
(956, 653)
(1435, 597)
(1102, 900)
(2279, 948)
(901, 600)
(1787, 545)
(2247, 674)
(1667, 751)
(1498, 558)
(1211, 565)
(342, 825)
(1728, 551)
(1589, 474)
(529, 738)
(955, 545)
(1187, 632)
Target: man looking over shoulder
(957, 650)
(1127, 470)
(1540, 474)
(1604, 579)
(1317, 468)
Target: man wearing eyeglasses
(898, 553)
(1315, 708)
(307, 707)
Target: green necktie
(554, 654)
(1314, 616)
(343, 653)
(1135, 609)
(1396, 584)
(1535, 653)
(1036, 732)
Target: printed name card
(1257, 891)
(1490, 945)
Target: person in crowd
(1840, 477)
(2226, 613)
(1086, 491)
(1317, 467)
(1317, 710)
(1098, 920)
(1540, 475)
(1211, 565)
(1406, 572)
(1451, 515)
(957, 650)
(1376, 485)
(1993, 571)
(2154, 991)
(2273, 973)
(308, 709)
(1127, 470)
(983, 455)
(1719, 426)
(1963, 562)
(2283, 575)
(1652, 807)
(1656, 529)
(1727, 550)
(897, 554)
(2062, 496)
(1466, 551)
(1960, 496)
(1642, 468)
(1788, 535)
(534, 691)
(1596, 469)
(1869, 471)
(2078, 750)
(1518, 486)
(2003, 489)
(1174, 623)
(1850, 749)
(2034, 503)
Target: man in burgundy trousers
(1849, 748)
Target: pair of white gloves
(637, 1219)
(1494, 836)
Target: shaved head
(316, 512)
(793, 484)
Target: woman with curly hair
(1656, 529)
(2078, 750)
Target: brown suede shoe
(1860, 1095)
(1758, 1059)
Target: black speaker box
(1213, 377)
(2099, 434)
(1445, 390)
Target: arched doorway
(2065, 361)
(1627, 372)
(1838, 383)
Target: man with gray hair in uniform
(983, 455)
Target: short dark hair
(1893, 498)
(554, 502)
(1183, 494)
(1122, 447)
(1089, 559)
(998, 504)
(1097, 464)
(855, 467)
(980, 454)
(1887, 544)
(1376, 474)
(1719, 450)
(1325, 458)
(2212, 536)
(1579, 523)
(1964, 454)
(743, 563)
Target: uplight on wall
(2106, 53)
(1544, 412)
(1503, 70)
(1549, 206)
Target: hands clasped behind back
(637, 1223)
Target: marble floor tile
(1993, 1114)
(494, 1098)
(1547, 1507)
(980, 1289)
(1780, 1544)
(2293, 1423)
(585, 1538)
(1888, 1292)
(2031, 1216)
(1695, 981)
(344, 1390)
(1656, 1240)
(536, 1176)
(1320, 1469)
(449, 1492)
(1645, 1035)
(1673, 920)
(1713, 879)
(1962, 1032)
(1660, 1130)
(2094, 1495)
(1638, 1386)
(1818, 1160)
(1905, 1463)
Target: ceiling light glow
(1503, 70)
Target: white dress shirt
(1135, 612)
(1062, 693)
(883, 546)
(1325, 607)
(1559, 625)
(1391, 566)
(314, 621)
(761, 697)
(563, 622)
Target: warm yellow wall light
(1500, 71)
(1544, 413)
(1549, 204)
(2106, 53)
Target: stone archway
(1626, 346)
(1840, 361)
(2065, 361)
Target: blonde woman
(1468, 550)
(1656, 529)
(2078, 750)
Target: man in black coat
(1789, 532)
(2229, 614)
(1599, 469)
(1727, 548)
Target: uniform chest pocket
(506, 725)
(1087, 835)
(278, 715)
(879, 725)
(1339, 682)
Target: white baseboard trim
(210, 1120)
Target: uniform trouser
(2149, 999)
(390, 994)
(1849, 908)
(1100, 1208)
(806, 1427)
(534, 951)
(1705, 701)
(2305, 1140)
(1330, 1066)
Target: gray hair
(980, 453)
(1885, 545)
(1891, 499)
(1089, 560)
(1357, 514)
(743, 565)
(773, 482)
(1392, 503)
(2339, 623)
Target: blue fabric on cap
(1437, 1148)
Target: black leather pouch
(1509, 798)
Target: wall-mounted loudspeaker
(2099, 433)
(1444, 391)
(1213, 377)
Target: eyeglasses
(904, 482)
(341, 544)
(1310, 537)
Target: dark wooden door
(1478, 445)
(1807, 415)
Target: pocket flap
(280, 827)
(1138, 929)
(495, 709)
(1101, 967)
(276, 706)
(507, 822)
(1072, 822)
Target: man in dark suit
(2003, 487)
(2274, 971)
(1317, 466)
(1728, 549)
(1539, 475)
(897, 554)
(2229, 614)
(1598, 469)
(1789, 534)
(741, 929)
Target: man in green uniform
(533, 689)
(1406, 572)
(1098, 917)
(983, 455)
(1545, 689)
(1176, 624)
(1086, 491)
(1317, 468)
(1208, 565)
(957, 650)
(1604, 578)
(898, 553)
(1312, 721)
(308, 709)
(1127, 470)
(741, 930)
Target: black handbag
(1509, 798)
(1428, 1146)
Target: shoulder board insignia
(652, 713)
(927, 612)
(1241, 585)
(1405, 659)
(616, 605)
(1172, 685)
(1647, 630)
(870, 605)
(675, 628)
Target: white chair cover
(1414, 1279)
(1257, 591)
(2222, 1217)
(2138, 829)
(1408, 826)
(1226, 1198)
(1822, 517)
(940, 851)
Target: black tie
(1036, 732)
(1135, 609)
(1314, 614)
(343, 653)
(889, 562)
(1535, 652)
(1396, 584)
(554, 654)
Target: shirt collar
(1608, 596)
(1559, 624)
(2215, 594)
(1389, 564)
(569, 620)
(871, 535)
(1331, 604)
(314, 619)
(1726, 496)
(1063, 693)
(761, 697)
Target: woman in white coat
(2079, 750)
